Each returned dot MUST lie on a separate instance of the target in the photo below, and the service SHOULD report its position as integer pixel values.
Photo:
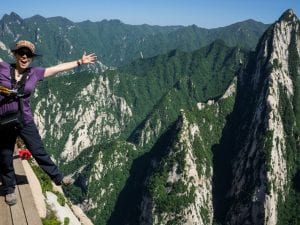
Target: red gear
(24, 154)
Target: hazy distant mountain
(116, 43)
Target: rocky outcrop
(90, 123)
(185, 173)
(260, 169)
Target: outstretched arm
(85, 59)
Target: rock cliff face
(91, 121)
(260, 170)
(180, 188)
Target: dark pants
(33, 142)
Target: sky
(203, 13)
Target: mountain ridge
(14, 14)
(114, 42)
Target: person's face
(23, 57)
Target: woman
(11, 76)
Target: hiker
(18, 82)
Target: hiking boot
(67, 180)
(11, 198)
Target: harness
(14, 119)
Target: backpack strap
(18, 85)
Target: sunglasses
(25, 51)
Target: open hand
(90, 58)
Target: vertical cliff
(179, 189)
(266, 148)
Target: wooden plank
(30, 209)
(5, 215)
(17, 211)
(25, 211)
(26, 197)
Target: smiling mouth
(24, 61)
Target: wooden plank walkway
(25, 211)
